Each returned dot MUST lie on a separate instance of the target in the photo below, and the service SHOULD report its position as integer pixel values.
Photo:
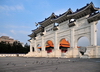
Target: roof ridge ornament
(91, 2)
(53, 14)
(69, 9)
(36, 24)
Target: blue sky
(18, 17)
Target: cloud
(21, 32)
(11, 8)
(15, 26)
(24, 32)
(12, 31)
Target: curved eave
(63, 17)
(48, 20)
(30, 35)
(47, 23)
(37, 30)
(29, 40)
(94, 18)
(33, 30)
(84, 10)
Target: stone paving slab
(23, 64)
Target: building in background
(7, 39)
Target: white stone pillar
(44, 52)
(55, 41)
(72, 44)
(73, 48)
(43, 47)
(93, 34)
(31, 49)
(57, 52)
(35, 46)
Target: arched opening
(39, 48)
(49, 46)
(83, 42)
(63, 46)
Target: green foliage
(16, 47)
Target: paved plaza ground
(23, 64)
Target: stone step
(84, 56)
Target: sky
(18, 17)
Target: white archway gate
(70, 25)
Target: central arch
(63, 46)
(80, 36)
(49, 46)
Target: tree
(26, 47)
(16, 47)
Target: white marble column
(72, 46)
(57, 52)
(74, 49)
(93, 34)
(35, 46)
(43, 47)
(44, 52)
(55, 41)
(31, 49)
(72, 42)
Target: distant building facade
(9, 40)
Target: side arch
(80, 36)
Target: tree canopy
(16, 47)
